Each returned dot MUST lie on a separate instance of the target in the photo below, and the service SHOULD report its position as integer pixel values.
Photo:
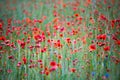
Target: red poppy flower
(59, 65)
(11, 57)
(118, 42)
(0, 47)
(113, 23)
(73, 70)
(2, 38)
(40, 61)
(92, 47)
(53, 63)
(19, 64)
(24, 60)
(104, 36)
(28, 20)
(21, 43)
(68, 40)
(0, 25)
(102, 17)
(68, 23)
(47, 72)
(59, 57)
(107, 48)
(114, 37)
(101, 36)
(76, 15)
(40, 21)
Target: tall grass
(59, 40)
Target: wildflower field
(59, 39)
